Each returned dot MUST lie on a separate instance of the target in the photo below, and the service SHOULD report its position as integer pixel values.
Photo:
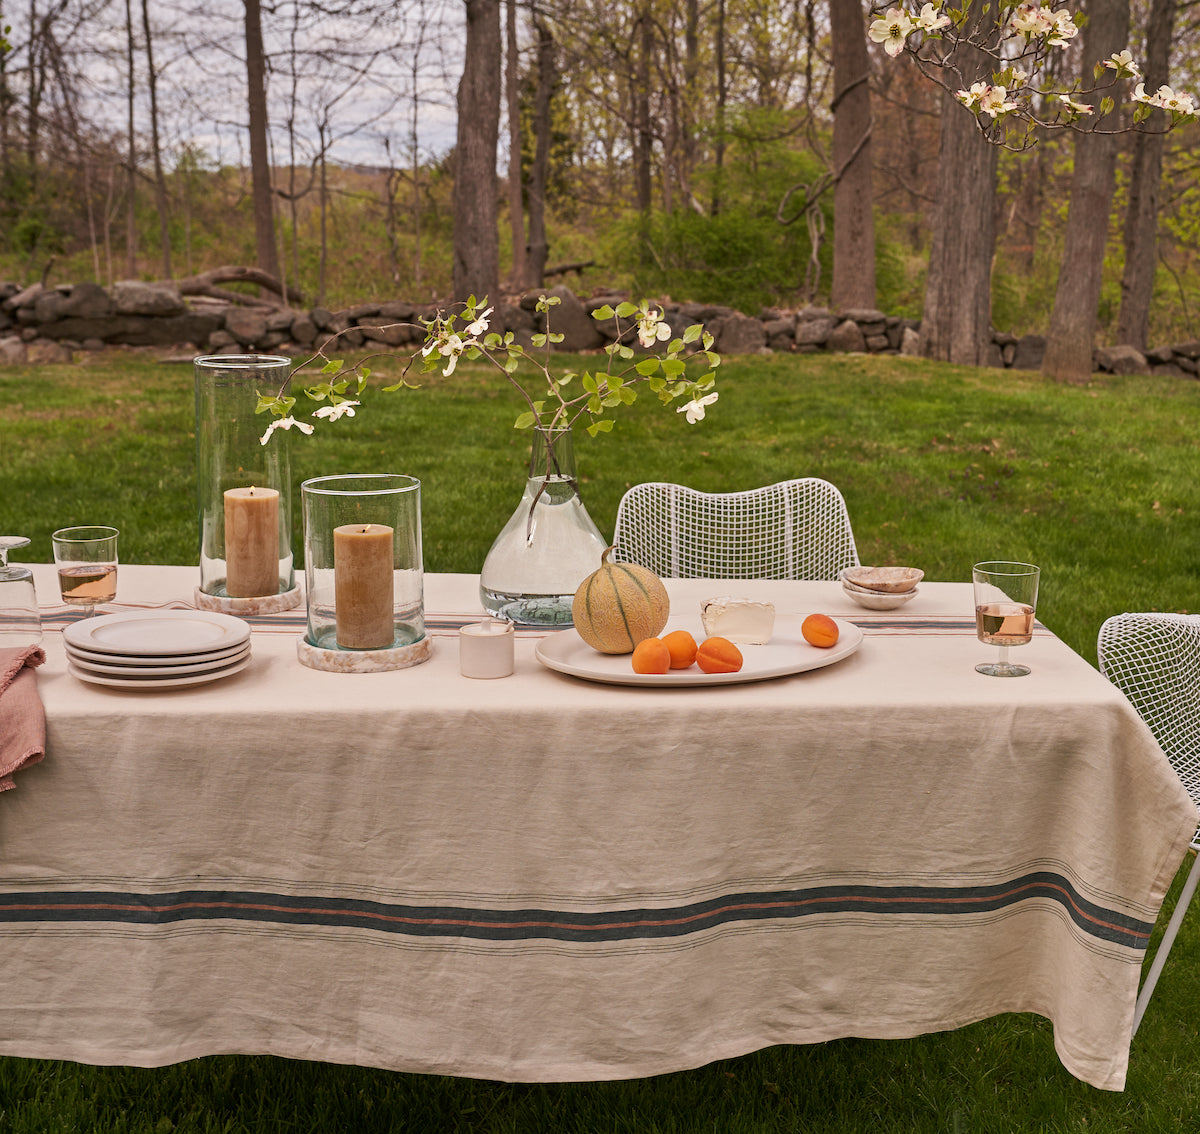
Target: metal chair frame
(796, 529)
(1154, 659)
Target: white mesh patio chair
(797, 529)
(1154, 659)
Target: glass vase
(244, 487)
(549, 545)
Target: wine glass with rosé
(87, 565)
(1005, 601)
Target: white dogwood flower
(284, 423)
(931, 19)
(342, 409)
(695, 408)
(892, 30)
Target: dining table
(554, 877)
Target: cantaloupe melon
(619, 606)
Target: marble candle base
(363, 661)
(264, 604)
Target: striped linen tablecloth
(543, 878)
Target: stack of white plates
(157, 649)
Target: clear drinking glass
(20, 622)
(1005, 602)
(87, 565)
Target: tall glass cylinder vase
(363, 573)
(549, 545)
(245, 494)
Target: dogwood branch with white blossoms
(553, 403)
(1019, 39)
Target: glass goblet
(20, 622)
(1005, 601)
(87, 565)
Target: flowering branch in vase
(554, 402)
(1019, 40)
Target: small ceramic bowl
(874, 600)
(882, 580)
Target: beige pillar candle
(362, 582)
(251, 542)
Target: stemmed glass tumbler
(87, 565)
(20, 623)
(1005, 601)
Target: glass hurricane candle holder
(363, 573)
(246, 561)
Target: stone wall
(40, 325)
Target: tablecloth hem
(1102, 1074)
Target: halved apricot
(718, 655)
(651, 656)
(682, 647)
(820, 630)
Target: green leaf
(564, 379)
(624, 310)
(512, 363)
(539, 340)
(603, 426)
(524, 421)
(1106, 106)
(595, 406)
(647, 367)
(589, 382)
(605, 312)
(693, 333)
(333, 366)
(624, 351)
(673, 367)
(628, 395)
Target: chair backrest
(797, 529)
(1154, 659)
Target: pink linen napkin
(22, 716)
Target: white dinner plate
(139, 671)
(158, 633)
(786, 653)
(149, 661)
(147, 683)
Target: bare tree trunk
(547, 77)
(6, 103)
(476, 241)
(516, 215)
(1073, 321)
(131, 168)
(642, 139)
(322, 261)
(853, 206)
(160, 181)
(260, 162)
(956, 320)
(1145, 180)
(416, 174)
(722, 94)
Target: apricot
(682, 647)
(820, 630)
(651, 656)
(718, 655)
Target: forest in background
(669, 166)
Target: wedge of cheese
(744, 621)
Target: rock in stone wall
(48, 324)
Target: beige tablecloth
(543, 878)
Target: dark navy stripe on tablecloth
(608, 926)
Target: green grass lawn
(940, 466)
